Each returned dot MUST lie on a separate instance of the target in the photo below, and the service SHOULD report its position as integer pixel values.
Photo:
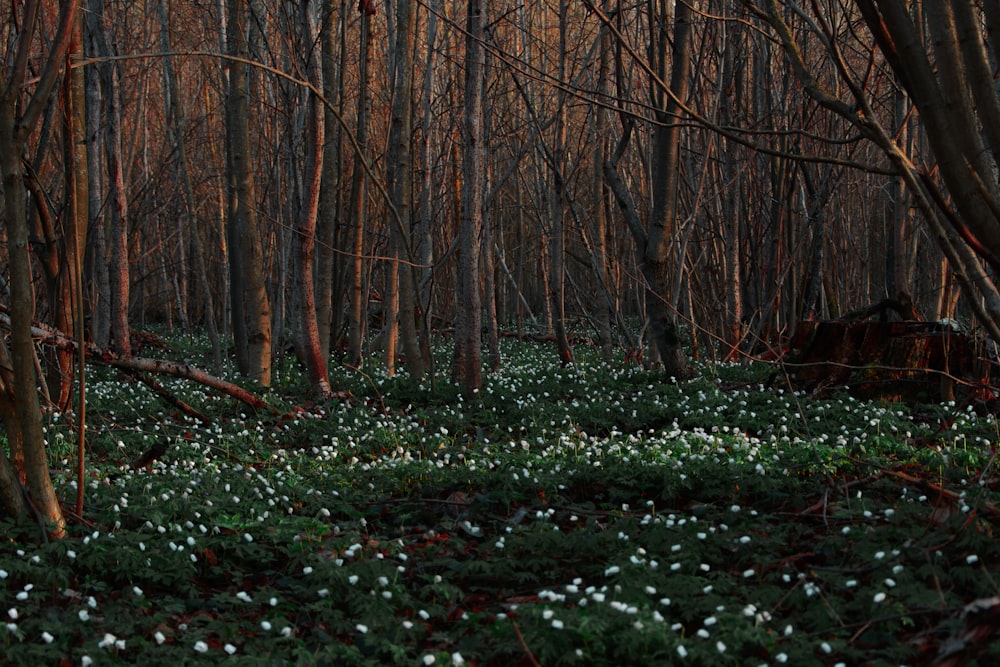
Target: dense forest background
(345, 178)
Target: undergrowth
(591, 515)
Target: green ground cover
(592, 515)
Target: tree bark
(468, 365)
(18, 116)
(357, 204)
(312, 353)
(251, 308)
(399, 182)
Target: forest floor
(590, 515)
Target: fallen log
(46, 335)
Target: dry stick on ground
(48, 336)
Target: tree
(944, 67)
(356, 204)
(251, 306)
(19, 404)
(307, 329)
(401, 316)
(669, 50)
(468, 362)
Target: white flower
(457, 659)
(879, 597)
(158, 636)
(86, 661)
(47, 638)
(681, 651)
(200, 646)
(84, 615)
(362, 628)
(971, 558)
(720, 647)
(429, 659)
(265, 625)
(229, 648)
(137, 591)
(108, 640)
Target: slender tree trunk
(655, 257)
(357, 204)
(557, 252)
(19, 114)
(251, 305)
(117, 202)
(399, 161)
(424, 255)
(329, 200)
(468, 367)
(305, 238)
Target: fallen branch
(49, 336)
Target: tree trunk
(399, 182)
(314, 356)
(557, 203)
(357, 204)
(468, 366)
(117, 202)
(327, 316)
(19, 113)
(251, 306)
(655, 256)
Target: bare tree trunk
(399, 182)
(654, 241)
(305, 239)
(557, 252)
(357, 203)
(19, 113)
(251, 305)
(329, 203)
(468, 366)
(118, 204)
(424, 255)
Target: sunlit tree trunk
(117, 204)
(251, 307)
(308, 345)
(19, 113)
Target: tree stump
(906, 361)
